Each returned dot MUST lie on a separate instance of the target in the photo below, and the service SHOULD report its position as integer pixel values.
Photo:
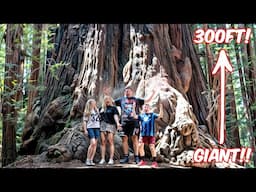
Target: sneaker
(111, 162)
(137, 159)
(102, 161)
(88, 162)
(125, 160)
(141, 163)
(154, 164)
(92, 163)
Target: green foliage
(54, 68)
(2, 61)
(26, 44)
(240, 81)
(20, 126)
(2, 55)
(1, 128)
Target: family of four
(104, 122)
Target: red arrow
(222, 63)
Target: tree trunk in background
(212, 94)
(247, 66)
(198, 81)
(210, 60)
(35, 68)
(89, 60)
(251, 84)
(233, 137)
(242, 81)
(12, 91)
(60, 68)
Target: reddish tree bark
(35, 68)
(89, 59)
(12, 90)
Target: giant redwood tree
(90, 60)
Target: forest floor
(28, 162)
(79, 165)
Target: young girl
(109, 125)
(91, 126)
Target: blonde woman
(109, 124)
(91, 127)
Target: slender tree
(12, 90)
(35, 68)
(251, 87)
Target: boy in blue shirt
(147, 132)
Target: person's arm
(101, 110)
(161, 112)
(117, 121)
(84, 125)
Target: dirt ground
(28, 162)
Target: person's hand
(137, 131)
(85, 132)
(119, 127)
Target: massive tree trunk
(90, 59)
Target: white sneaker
(111, 162)
(88, 162)
(102, 161)
(92, 163)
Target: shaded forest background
(41, 62)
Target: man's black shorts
(131, 128)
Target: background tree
(35, 68)
(239, 107)
(12, 96)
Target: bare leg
(89, 152)
(125, 144)
(94, 147)
(111, 145)
(135, 143)
(152, 150)
(103, 145)
(125, 149)
(141, 149)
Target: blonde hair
(104, 107)
(88, 107)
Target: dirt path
(77, 164)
